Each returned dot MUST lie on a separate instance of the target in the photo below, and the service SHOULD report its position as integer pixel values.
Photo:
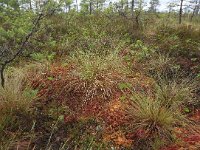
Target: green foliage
(75, 32)
(38, 56)
(13, 27)
(43, 56)
(93, 67)
(187, 110)
(140, 50)
(180, 40)
(11, 3)
(30, 93)
(50, 78)
(123, 86)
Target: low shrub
(178, 41)
(141, 51)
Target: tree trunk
(180, 12)
(132, 7)
(77, 5)
(20, 50)
(193, 13)
(90, 7)
(39, 4)
(137, 19)
(30, 3)
(66, 7)
(197, 8)
(169, 13)
(36, 4)
(2, 76)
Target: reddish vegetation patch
(171, 147)
(189, 142)
(119, 139)
(53, 85)
(188, 139)
(192, 139)
(113, 115)
(57, 84)
(114, 118)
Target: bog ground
(100, 77)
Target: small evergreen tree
(153, 5)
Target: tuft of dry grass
(151, 115)
(13, 92)
(15, 100)
(90, 66)
(98, 75)
(155, 117)
(151, 120)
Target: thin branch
(5, 51)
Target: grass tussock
(86, 77)
(151, 120)
(15, 102)
(99, 74)
(91, 66)
(177, 93)
(13, 92)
